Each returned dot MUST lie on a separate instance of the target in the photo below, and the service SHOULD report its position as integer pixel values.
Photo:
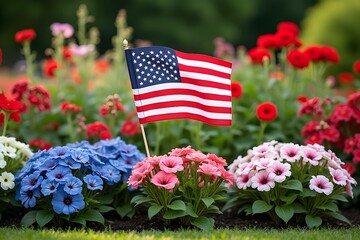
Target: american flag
(168, 84)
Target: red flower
(66, 53)
(266, 111)
(39, 144)
(313, 52)
(346, 78)
(2, 118)
(302, 99)
(288, 26)
(356, 67)
(104, 110)
(350, 144)
(130, 128)
(65, 107)
(354, 103)
(356, 158)
(50, 66)
(257, 55)
(298, 59)
(20, 89)
(311, 107)
(9, 105)
(39, 97)
(329, 54)
(341, 112)
(349, 167)
(98, 129)
(268, 41)
(102, 66)
(25, 35)
(236, 90)
(285, 38)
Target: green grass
(253, 234)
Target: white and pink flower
(311, 155)
(290, 152)
(279, 171)
(339, 176)
(321, 184)
(262, 181)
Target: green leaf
(294, 185)
(233, 202)
(308, 193)
(260, 206)
(172, 214)
(204, 223)
(214, 209)
(339, 217)
(5, 199)
(79, 220)
(105, 209)
(43, 217)
(140, 199)
(298, 208)
(105, 199)
(329, 206)
(339, 197)
(312, 221)
(177, 205)
(208, 201)
(153, 210)
(124, 210)
(290, 198)
(94, 216)
(218, 197)
(28, 219)
(190, 211)
(285, 212)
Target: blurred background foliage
(185, 25)
(189, 25)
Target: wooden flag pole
(126, 46)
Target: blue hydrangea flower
(48, 165)
(67, 204)
(93, 182)
(69, 162)
(60, 174)
(109, 173)
(48, 187)
(73, 186)
(60, 152)
(80, 157)
(28, 198)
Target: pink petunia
(135, 180)
(209, 169)
(196, 157)
(290, 152)
(264, 151)
(180, 152)
(339, 176)
(263, 163)
(311, 155)
(165, 180)
(321, 184)
(348, 189)
(279, 171)
(62, 28)
(227, 176)
(142, 168)
(171, 164)
(244, 181)
(218, 160)
(262, 181)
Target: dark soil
(140, 222)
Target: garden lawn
(348, 234)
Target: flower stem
(6, 119)
(261, 132)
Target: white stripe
(160, 99)
(161, 111)
(205, 77)
(188, 86)
(202, 64)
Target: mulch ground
(140, 222)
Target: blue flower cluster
(61, 173)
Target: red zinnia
(66, 107)
(39, 144)
(285, 38)
(298, 59)
(25, 35)
(50, 66)
(302, 99)
(313, 52)
(356, 67)
(268, 41)
(329, 54)
(289, 26)
(346, 78)
(266, 111)
(236, 90)
(130, 128)
(98, 129)
(354, 103)
(258, 54)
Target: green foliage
(333, 23)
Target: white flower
(2, 163)
(7, 181)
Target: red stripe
(204, 71)
(170, 116)
(203, 58)
(166, 92)
(206, 83)
(183, 104)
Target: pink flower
(81, 50)
(321, 184)
(263, 163)
(142, 168)
(348, 189)
(165, 180)
(279, 171)
(218, 160)
(62, 28)
(338, 175)
(244, 181)
(180, 152)
(262, 181)
(264, 151)
(311, 155)
(290, 152)
(209, 169)
(135, 180)
(196, 156)
(227, 176)
(171, 164)
(244, 168)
